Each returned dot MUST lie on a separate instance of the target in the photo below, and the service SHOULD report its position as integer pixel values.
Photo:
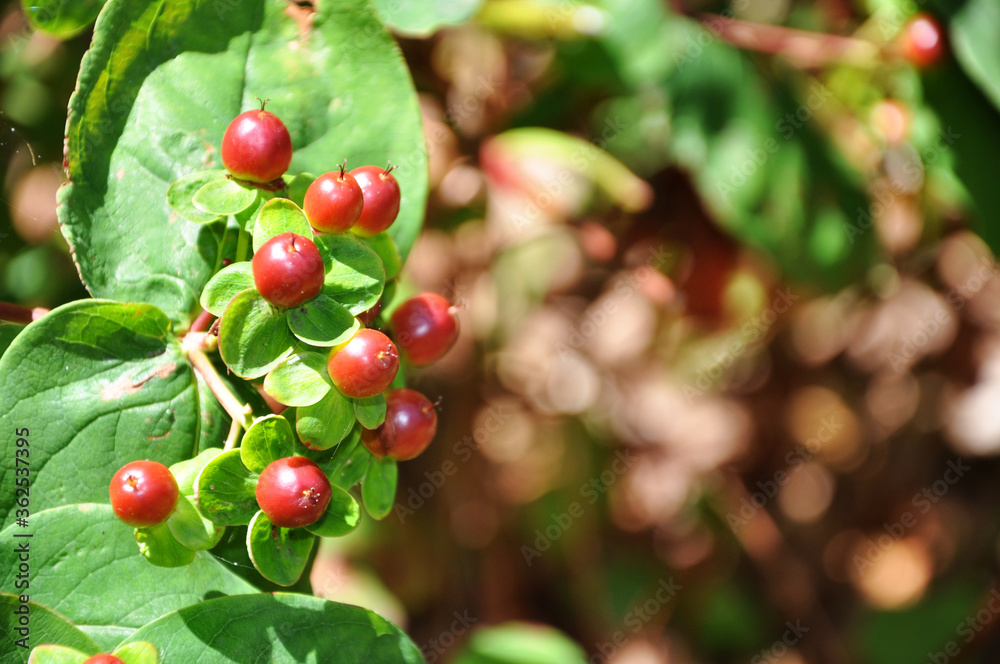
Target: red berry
(257, 147)
(922, 40)
(333, 202)
(426, 327)
(364, 366)
(104, 659)
(410, 425)
(288, 270)
(293, 492)
(381, 195)
(143, 493)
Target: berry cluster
(310, 311)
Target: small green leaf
(355, 275)
(247, 219)
(226, 284)
(137, 652)
(268, 439)
(297, 187)
(421, 19)
(186, 472)
(378, 489)
(253, 336)
(520, 643)
(300, 380)
(160, 547)
(325, 423)
(386, 250)
(279, 554)
(224, 197)
(47, 627)
(181, 193)
(371, 411)
(349, 463)
(56, 655)
(61, 18)
(342, 515)
(322, 322)
(227, 490)
(190, 528)
(279, 215)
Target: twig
(242, 414)
(807, 49)
(201, 322)
(15, 313)
(234, 435)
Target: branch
(241, 413)
(807, 49)
(15, 313)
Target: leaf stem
(234, 435)
(15, 313)
(241, 413)
(242, 246)
(201, 322)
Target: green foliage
(520, 643)
(378, 488)
(47, 626)
(62, 18)
(423, 17)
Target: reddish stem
(15, 313)
(200, 323)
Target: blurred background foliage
(727, 383)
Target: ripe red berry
(333, 202)
(381, 195)
(410, 425)
(364, 366)
(426, 327)
(143, 493)
(104, 659)
(288, 270)
(257, 147)
(293, 492)
(922, 40)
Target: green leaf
(62, 18)
(387, 252)
(180, 196)
(124, 392)
(973, 31)
(190, 528)
(253, 335)
(278, 216)
(520, 643)
(137, 652)
(47, 654)
(186, 472)
(355, 276)
(268, 439)
(89, 551)
(300, 380)
(159, 546)
(297, 187)
(279, 628)
(279, 554)
(371, 411)
(157, 89)
(342, 515)
(46, 626)
(322, 322)
(226, 491)
(227, 283)
(349, 463)
(224, 197)
(325, 423)
(420, 18)
(378, 489)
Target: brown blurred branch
(14, 313)
(806, 49)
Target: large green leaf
(44, 626)
(156, 92)
(974, 40)
(96, 384)
(279, 628)
(80, 553)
